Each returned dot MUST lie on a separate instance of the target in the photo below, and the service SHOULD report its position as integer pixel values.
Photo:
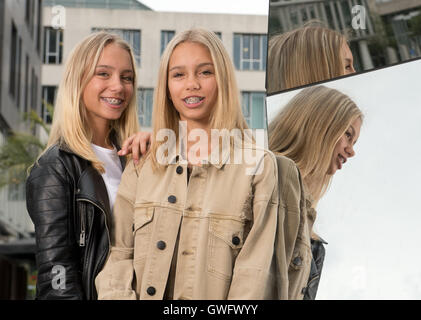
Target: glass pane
(246, 65)
(52, 41)
(237, 52)
(258, 110)
(246, 46)
(245, 103)
(264, 51)
(256, 47)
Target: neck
(199, 146)
(100, 131)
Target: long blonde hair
(226, 114)
(69, 122)
(307, 129)
(302, 56)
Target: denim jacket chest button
(235, 241)
(172, 199)
(161, 245)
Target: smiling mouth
(193, 100)
(113, 101)
(342, 160)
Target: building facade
(148, 31)
(20, 91)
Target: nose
(116, 84)
(350, 151)
(352, 68)
(193, 83)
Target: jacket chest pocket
(226, 238)
(142, 231)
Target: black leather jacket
(318, 250)
(68, 203)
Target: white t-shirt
(113, 170)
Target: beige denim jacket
(298, 215)
(226, 222)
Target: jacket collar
(113, 137)
(179, 156)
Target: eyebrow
(198, 66)
(112, 68)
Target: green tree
(21, 150)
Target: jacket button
(297, 261)
(161, 245)
(151, 291)
(172, 199)
(179, 170)
(235, 241)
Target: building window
(26, 87)
(19, 59)
(145, 105)
(34, 90)
(39, 26)
(28, 11)
(15, 65)
(13, 60)
(131, 36)
(253, 105)
(53, 45)
(250, 51)
(48, 97)
(166, 36)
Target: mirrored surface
(371, 214)
(378, 33)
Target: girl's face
(344, 148)
(192, 82)
(347, 59)
(110, 90)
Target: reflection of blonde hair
(306, 55)
(307, 129)
(226, 114)
(70, 123)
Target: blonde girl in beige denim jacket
(317, 129)
(187, 226)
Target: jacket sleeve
(293, 236)
(253, 273)
(115, 281)
(49, 199)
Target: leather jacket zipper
(105, 217)
(82, 230)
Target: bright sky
(258, 7)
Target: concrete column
(404, 52)
(391, 55)
(365, 55)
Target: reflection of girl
(306, 55)
(194, 229)
(317, 129)
(71, 188)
